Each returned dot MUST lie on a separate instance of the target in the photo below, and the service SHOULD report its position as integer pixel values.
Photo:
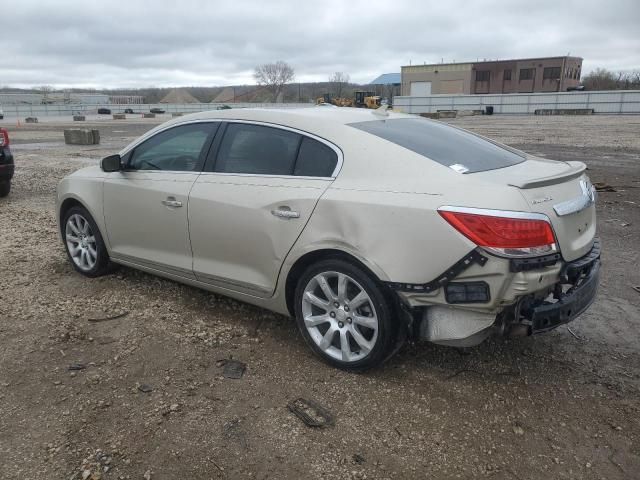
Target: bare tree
(339, 81)
(603, 79)
(274, 76)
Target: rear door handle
(172, 202)
(285, 212)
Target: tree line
(603, 79)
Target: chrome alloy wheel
(81, 242)
(339, 316)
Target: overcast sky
(131, 43)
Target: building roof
(387, 79)
(492, 61)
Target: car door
(146, 204)
(260, 186)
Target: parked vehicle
(156, 110)
(128, 110)
(1, 114)
(368, 227)
(6, 163)
(104, 111)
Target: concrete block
(447, 113)
(79, 118)
(119, 116)
(148, 115)
(469, 113)
(176, 114)
(563, 111)
(81, 136)
(434, 115)
(31, 120)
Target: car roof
(303, 118)
(293, 116)
(328, 123)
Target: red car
(6, 163)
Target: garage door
(420, 89)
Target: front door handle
(285, 212)
(172, 202)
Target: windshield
(463, 151)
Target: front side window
(256, 149)
(176, 149)
(442, 143)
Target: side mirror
(112, 163)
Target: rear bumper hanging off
(575, 292)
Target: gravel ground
(150, 401)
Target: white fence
(611, 102)
(71, 109)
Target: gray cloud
(134, 43)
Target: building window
(507, 74)
(526, 73)
(482, 75)
(551, 73)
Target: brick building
(550, 74)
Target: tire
(5, 188)
(80, 232)
(364, 332)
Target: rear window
(449, 146)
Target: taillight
(511, 234)
(4, 137)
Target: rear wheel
(84, 244)
(344, 315)
(5, 188)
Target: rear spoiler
(575, 170)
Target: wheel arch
(67, 204)
(73, 201)
(314, 256)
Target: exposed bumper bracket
(456, 269)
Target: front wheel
(344, 315)
(84, 244)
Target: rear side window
(257, 149)
(315, 159)
(442, 143)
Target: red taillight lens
(4, 137)
(505, 235)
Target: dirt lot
(562, 405)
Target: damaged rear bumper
(524, 299)
(548, 316)
(575, 292)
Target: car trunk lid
(561, 191)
